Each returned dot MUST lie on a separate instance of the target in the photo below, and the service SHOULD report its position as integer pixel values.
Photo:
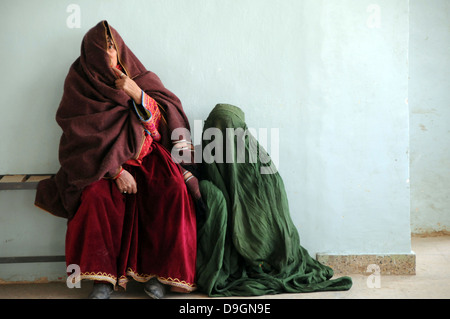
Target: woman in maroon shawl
(130, 205)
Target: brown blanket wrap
(100, 129)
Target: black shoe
(101, 291)
(154, 288)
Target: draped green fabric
(247, 242)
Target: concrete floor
(432, 281)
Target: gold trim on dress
(188, 287)
(123, 280)
(102, 276)
(140, 147)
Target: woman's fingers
(119, 73)
(133, 187)
(126, 183)
(130, 88)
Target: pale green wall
(430, 115)
(332, 76)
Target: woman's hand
(126, 183)
(192, 185)
(127, 85)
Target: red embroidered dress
(114, 237)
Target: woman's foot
(101, 291)
(155, 289)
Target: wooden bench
(11, 182)
(17, 182)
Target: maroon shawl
(100, 129)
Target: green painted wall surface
(330, 76)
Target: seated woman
(248, 244)
(130, 206)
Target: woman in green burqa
(247, 242)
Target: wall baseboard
(396, 264)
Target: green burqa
(247, 242)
